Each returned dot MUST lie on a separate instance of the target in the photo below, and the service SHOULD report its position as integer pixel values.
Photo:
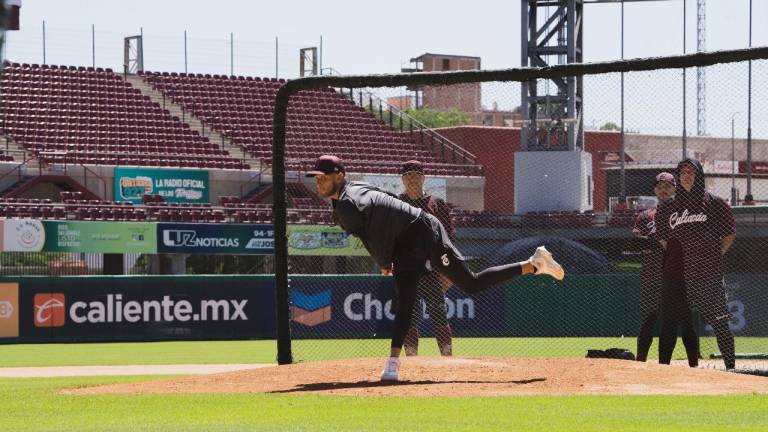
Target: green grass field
(264, 351)
(34, 403)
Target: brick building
(464, 97)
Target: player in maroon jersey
(696, 228)
(431, 285)
(651, 276)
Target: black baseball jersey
(375, 216)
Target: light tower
(552, 121)
(552, 170)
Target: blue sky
(358, 36)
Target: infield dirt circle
(435, 376)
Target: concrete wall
(663, 147)
(556, 180)
(465, 192)
(721, 186)
(495, 149)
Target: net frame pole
(284, 354)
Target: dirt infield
(429, 376)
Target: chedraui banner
(100, 237)
(230, 239)
(323, 240)
(174, 185)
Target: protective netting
(594, 208)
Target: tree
(610, 126)
(437, 119)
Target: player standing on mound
(651, 278)
(696, 229)
(431, 285)
(399, 235)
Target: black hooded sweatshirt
(694, 224)
(378, 218)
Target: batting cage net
(567, 157)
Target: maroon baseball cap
(326, 164)
(412, 166)
(665, 177)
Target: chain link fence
(583, 204)
(79, 264)
(186, 51)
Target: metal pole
(749, 110)
(276, 57)
(685, 133)
(185, 51)
(3, 48)
(43, 41)
(320, 57)
(231, 54)
(93, 46)
(141, 48)
(734, 198)
(622, 171)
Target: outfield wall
(126, 308)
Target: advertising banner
(361, 307)
(580, 305)
(9, 310)
(145, 308)
(747, 302)
(319, 240)
(174, 185)
(22, 235)
(757, 167)
(230, 239)
(100, 237)
(104, 308)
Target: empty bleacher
(622, 218)
(74, 206)
(319, 121)
(84, 115)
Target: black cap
(412, 166)
(326, 164)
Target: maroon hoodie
(694, 224)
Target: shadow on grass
(313, 387)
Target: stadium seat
(93, 107)
(241, 110)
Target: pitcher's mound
(435, 376)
